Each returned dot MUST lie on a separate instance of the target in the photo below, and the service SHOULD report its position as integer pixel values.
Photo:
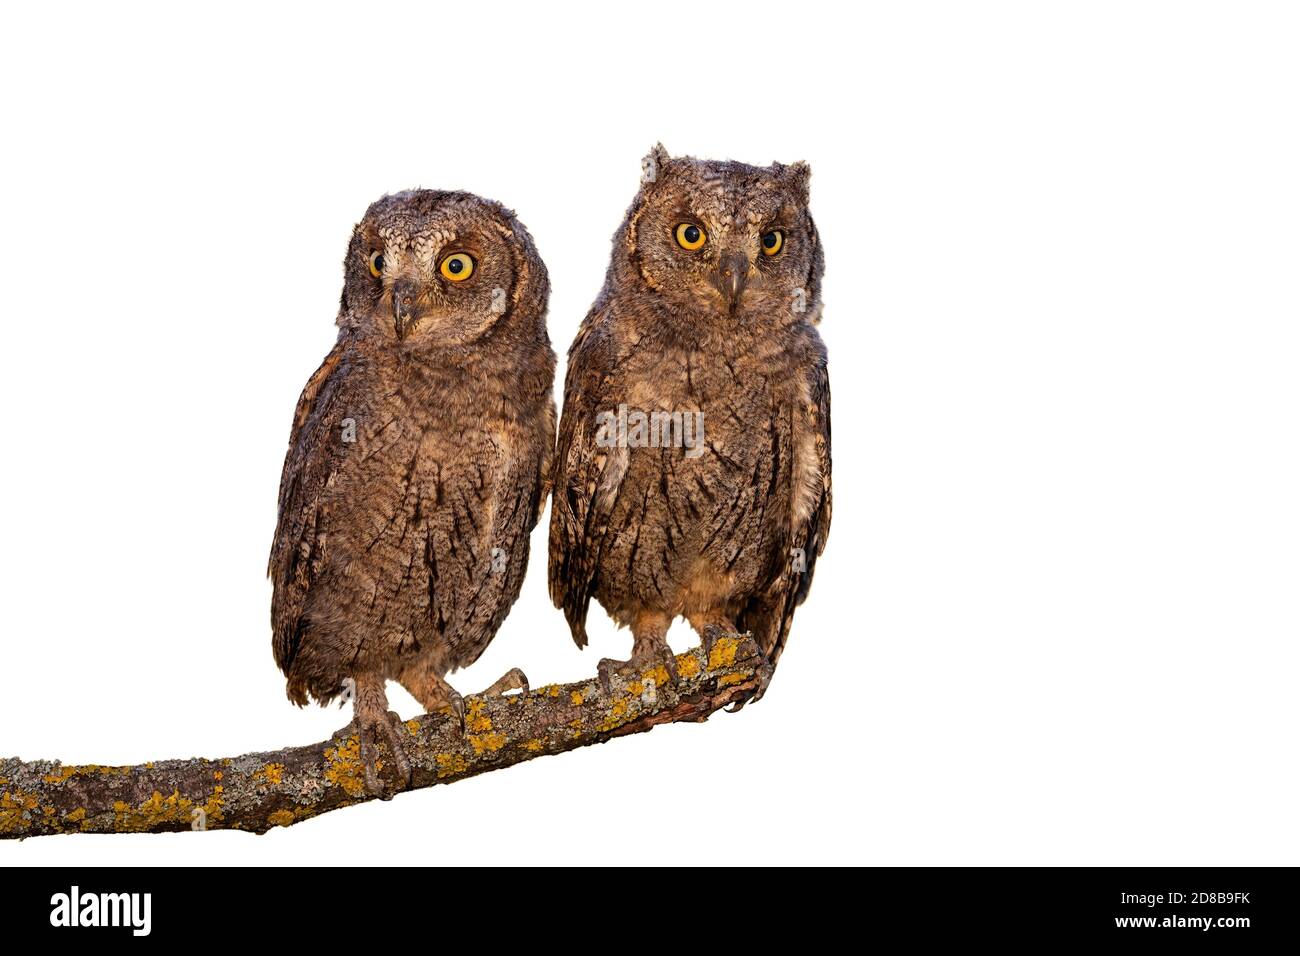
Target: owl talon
(710, 634)
(605, 671)
(762, 678)
(367, 729)
(457, 705)
(669, 660)
(662, 654)
(513, 679)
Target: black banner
(1224, 907)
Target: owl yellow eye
(376, 263)
(772, 242)
(457, 267)
(690, 236)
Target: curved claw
(662, 654)
(367, 751)
(763, 677)
(513, 679)
(669, 660)
(457, 705)
(366, 730)
(605, 671)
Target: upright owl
(418, 463)
(693, 468)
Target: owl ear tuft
(798, 174)
(654, 163)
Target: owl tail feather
(577, 619)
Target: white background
(1057, 618)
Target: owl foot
(643, 656)
(710, 634)
(513, 679)
(369, 727)
(434, 693)
(763, 676)
(457, 705)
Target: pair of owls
(424, 447)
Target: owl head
(432, 268)
(722, 241)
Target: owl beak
(733, 269)
(404, 296)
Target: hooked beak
(405, 293)
(733, 270)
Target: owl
(418, 462)
(693, 466)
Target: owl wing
(313, 458)
(769, 613)
(587, 479)
(520, 484)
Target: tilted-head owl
(418, 462)
(693, 468)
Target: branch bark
(259, 791)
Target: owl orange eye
(376, 263)
(773, 242)
(457, 267)
(690, 236)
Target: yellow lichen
(159, 812)
(273, 772)
(476, 720)
(615, 716)
(66, 772)
(534, 745)
(575, 697)
(487, 742)
(413, 726)
(213, 807)
(658, 674)
(726, 680)
(450, 764)
(688, 665)
(15, 810)
(343, 766)
(280, 818)
(723, 653)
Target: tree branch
(259, 791)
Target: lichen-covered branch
(259, 791)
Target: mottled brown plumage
(726, 535)
(418, 460)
